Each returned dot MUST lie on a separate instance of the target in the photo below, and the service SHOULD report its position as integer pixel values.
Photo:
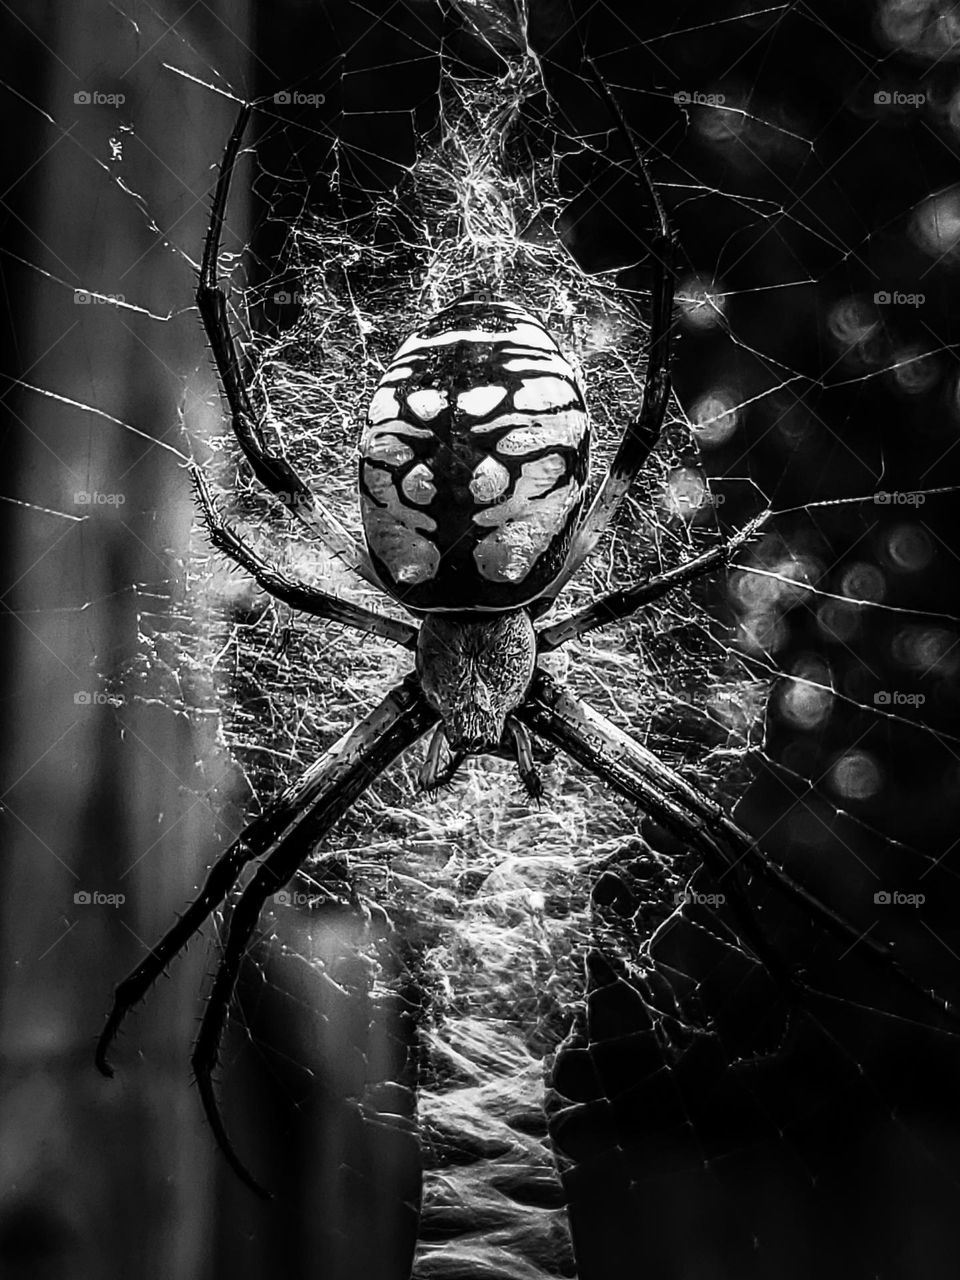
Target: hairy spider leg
(630, 768)
(295, 803)
(643, 431)
(269, 465)
(298, 595)
(433, 775)
(336, 781)
(628, 600)
(595, 742)
(256, 838)
(523, 744)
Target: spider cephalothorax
(474, 672)
(472, 479)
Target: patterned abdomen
(474, 461)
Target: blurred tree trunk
(103, 1179)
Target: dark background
(800, 202)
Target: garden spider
(473, 474)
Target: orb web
(789, 686)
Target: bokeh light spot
(862, 581)
(854, 327)
(838, 620)
(702, 303)
(806, 702)
(908, 547)
(715, 417)
(915, 371)
(936, 224)
(856, 776)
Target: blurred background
(807, 154)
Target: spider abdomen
(474, 461)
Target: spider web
(705, 1126)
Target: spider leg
(269, 465)
(310, 805)
(621, 604)
(643, 431)
(523, 745)
(296, 594)
(340, 776)
(666, 796)
(433, 775)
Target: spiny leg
(296, 594)
(254, 841)
(599, 745)
(529, 776)
(633, 770)
(348, 768)
(404, 705)
(433, 775)
(291, 853)
(269, 465)
(630, 768)
(621, 604)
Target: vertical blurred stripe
(103, 1179)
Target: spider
(473, 474)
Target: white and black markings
(474, 461)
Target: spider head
(475, 672)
